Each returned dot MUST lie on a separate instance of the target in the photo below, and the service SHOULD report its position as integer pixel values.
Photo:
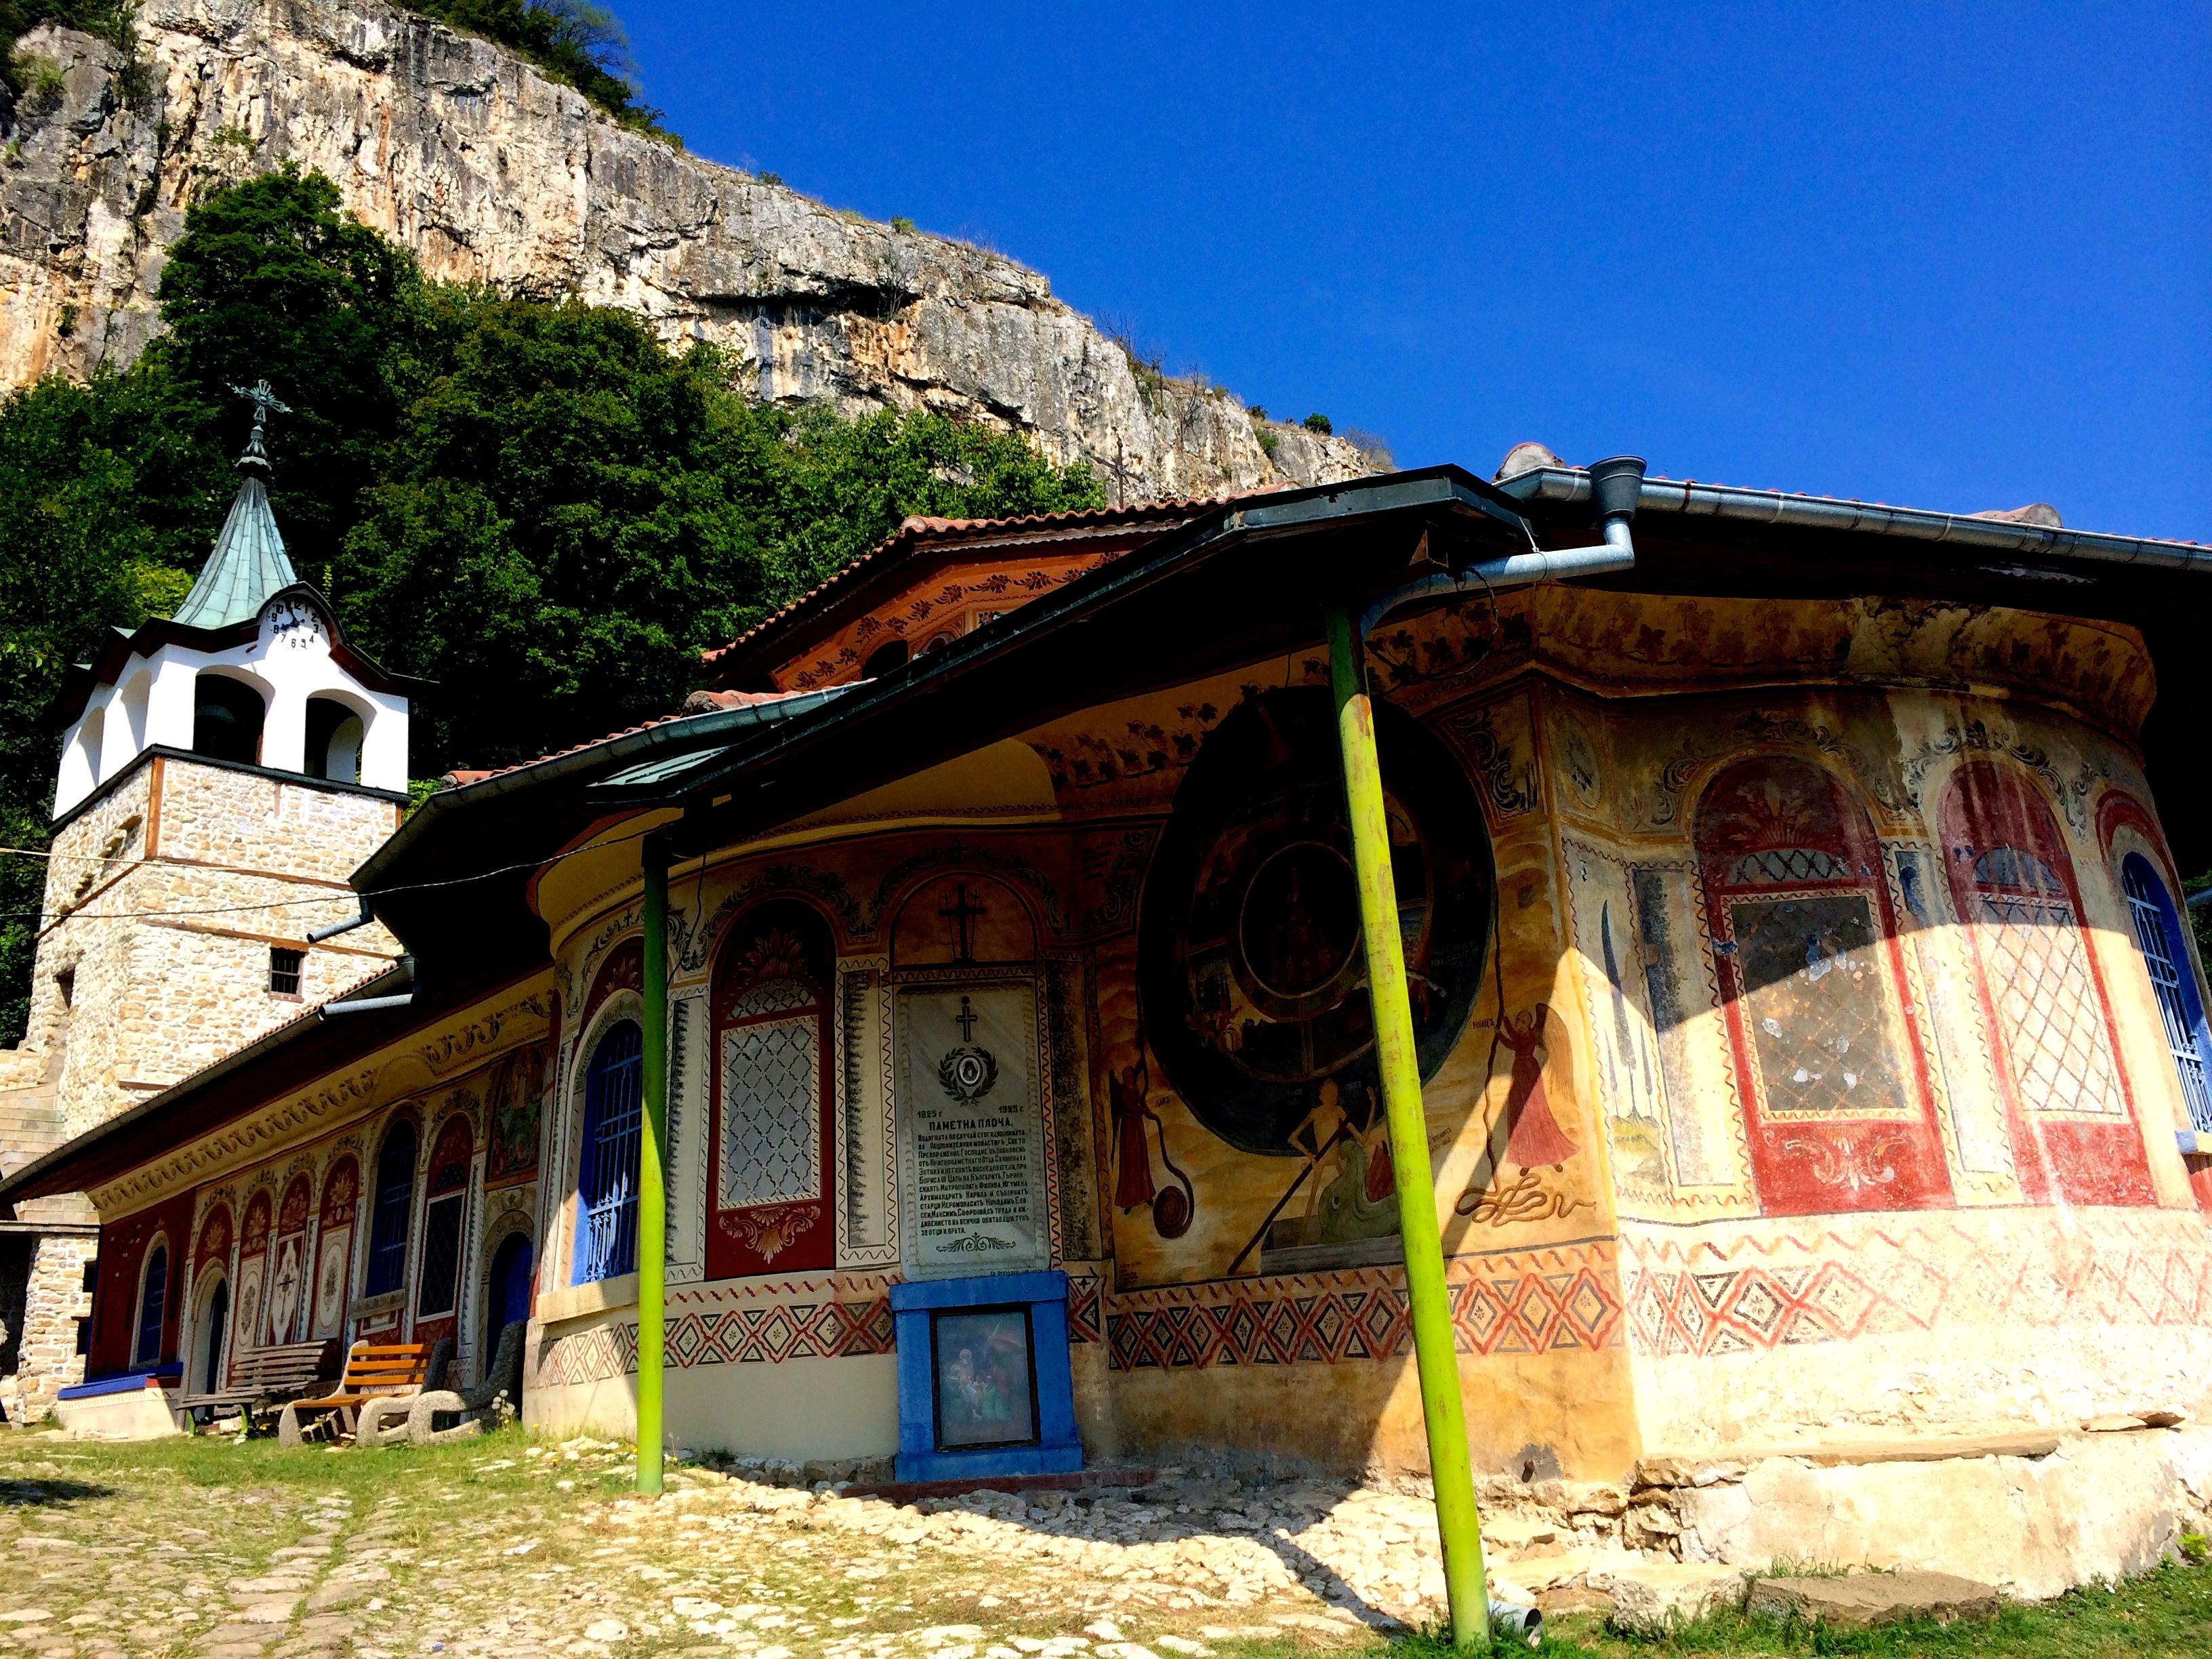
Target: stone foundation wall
(1760, 1333)
(55, 1301)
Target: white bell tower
(223, 772)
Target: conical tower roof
(249, 565)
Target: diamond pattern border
(1844, 1288)
(1526, 1301)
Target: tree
(92, 480)
(568, 513)
(534, 505)
(271, 277)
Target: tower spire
(248, 565)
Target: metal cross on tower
(265, 403)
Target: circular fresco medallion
(1251, 967)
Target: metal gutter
(1684, 499)
(700, 731)
(291, 1031)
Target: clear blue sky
(1953, 256)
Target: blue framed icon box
(984, 1390)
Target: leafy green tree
(92, 478)
(271, 277)
(568, 513)
(532, 504)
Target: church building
(1811, 1035)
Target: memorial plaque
(971, 1131)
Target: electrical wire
(326, 898)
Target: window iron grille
(395, 1195)
(441, 1256)
(614, 1127)
(284, 968)
(2158, 931)
(151, 1300)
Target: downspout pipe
(406, 999)
(1475, 1617)
(1616, 486)
(361, 920)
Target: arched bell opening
(228, 715)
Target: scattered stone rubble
(524, 1549)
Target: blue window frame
(2158, 931)
(153, 1292)
(606, 1184)
(395, 1201)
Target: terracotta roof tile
(916, 530)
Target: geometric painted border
(1540, 1301)
(1518, 1301)
(1700, 1297)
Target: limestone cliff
(492, 173)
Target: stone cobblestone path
(512, 1546)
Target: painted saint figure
(1536, 1138)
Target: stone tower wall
(171, 891)
(164, 898)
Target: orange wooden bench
(373, 1370)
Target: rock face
(493, 174)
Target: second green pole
(1435, 1355)
(652, 1177)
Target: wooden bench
(373, 1370)
(269, 1377)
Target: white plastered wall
(286, 664)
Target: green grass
(2167, 1612)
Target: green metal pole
(652, 1176)
(1434, 1356)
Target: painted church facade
(1812, 1039)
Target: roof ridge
(916, 527)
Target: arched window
(606, 1184)
(214, 1333)
(2042, 995)
(769, 1180)
(153, 1295)
(226, 717)
(2165, 954)
(132, 705)
(395, 1199)
(1804, 940)
(443, 1215)
(334, 739)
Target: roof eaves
(1685, 497)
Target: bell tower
(223, 771)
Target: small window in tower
(83, 1336)
(91, 1274)
(284, 970)
(65, 986)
